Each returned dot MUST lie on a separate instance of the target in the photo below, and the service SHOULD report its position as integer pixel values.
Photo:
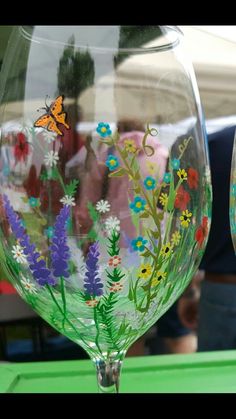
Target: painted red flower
(193, 178)
(32, 183)
(21, 149)
(182, 198)
(202, 231)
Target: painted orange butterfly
(54, 115)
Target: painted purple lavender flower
(59, 250)
(92, 283)
(38, 267)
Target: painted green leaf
(132, 161)
(171, 198)
(43, 176)
(124, 153)
(105, 312)
(160, 216)
(92, 212)
(34, 226)
(92, 234)
(70, 189)
(131, 293)
(113, 247)
(119, 172)
(146, 253)
(144, 214)
(53, 174)
(156, 192)
(137, 189)
(137, 175)
(116, 137)
(145, 287)
(72, 267)
(154, 234)
(122, 328)
(115, 275)
(108, 142)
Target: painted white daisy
(112, 224)
(49, 137)
(103, 206)
(29, 286)
(51, 158)
(68, 200)
(18, 254)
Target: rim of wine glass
(137, 50)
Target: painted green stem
(66, 318)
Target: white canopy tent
(213, 53)
(212, 50)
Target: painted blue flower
(138, 204)
(233, 190)
(49, 232)
(167, 177)
(112, 162)
(175, 164)
(139, 243)
(60, 252)
(149, 183)
(92, 282)
(103, 129)
(41, 273)
(33, 202)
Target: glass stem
(108, 375)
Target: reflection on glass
(105, 189)
(232, 201)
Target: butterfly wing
(61, 119)
(57, 110)
(47, 121)
(52, 126)
(43, 121)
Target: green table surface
(206, 372)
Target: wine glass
(105, 185)
(232, 198)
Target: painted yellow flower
(163, 199)
(185, 218)
(157, 279)
(182, 174)
(151, 167)
(166, 249)
(145, 270)
(130, 146)
(175, 238)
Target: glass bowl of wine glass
(105, 192)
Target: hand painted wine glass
(105, 189)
